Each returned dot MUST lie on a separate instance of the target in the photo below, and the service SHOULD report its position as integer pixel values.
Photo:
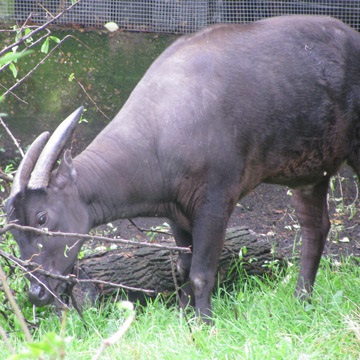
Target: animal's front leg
(312, 212)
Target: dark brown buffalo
(219, 112)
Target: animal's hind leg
(311, 207)
(183, 265)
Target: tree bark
(151, 268)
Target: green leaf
(45, 46)
(71, 77)
(11, 56)
(55, 39)
(13, 69)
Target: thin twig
(70, 279)
(12, 136)
(356, 195)
(23, 266)
(90, 98)
(82, 86)
(23, 40)
(45, 232)
(148, 230)
(5, 177)
(173, 273)
(13, 94)
(14, 305)
(109, 283)
(6, 340)
(46, 10)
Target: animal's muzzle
(39, 296)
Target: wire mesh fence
(177, 16)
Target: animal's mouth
(42, 294)
(39, 295)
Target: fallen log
(154, 269)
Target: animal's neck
(116, 184)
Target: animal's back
(276, 93)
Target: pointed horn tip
(77, 112)
(70, 122)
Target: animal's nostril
(36, 291)
(38, 295)
(41, 292)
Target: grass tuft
(257, 319)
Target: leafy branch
(25, 36)
(37, 29)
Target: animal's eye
(41, 218)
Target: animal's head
(43, 198)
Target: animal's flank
(219, 112)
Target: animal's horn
(40, 176)
(27, 164)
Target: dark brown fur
(218, 113)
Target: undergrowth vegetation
(257, 319)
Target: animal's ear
(66, 173)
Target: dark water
(107, 65)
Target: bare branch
(12, 136)
(69, 279)
(109, 283)
(23, 266)
(90, 98)
(6, 340)
(5, 177)
(14, 305)
(44, 232)
(132, 222)
(13, 94)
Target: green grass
(259, 319)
